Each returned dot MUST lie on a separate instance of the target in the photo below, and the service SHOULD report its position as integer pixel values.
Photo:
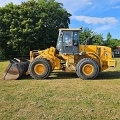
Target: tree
(107, 41)
(31, 25)
(5, 22)
(111, 42)
(87, 33)
(109, 36)
(98, 39)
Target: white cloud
(116, 7)
(114, 1)
(89, 3)
(103, 28)
(95, 20)
(77, 6)
(73, 6)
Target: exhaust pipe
(17, 68)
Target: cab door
(70, 42)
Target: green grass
(3, 65)
(62, 96)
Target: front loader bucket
(15, 69)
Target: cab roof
(70, 29)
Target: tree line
(34, 25)
(30, 25)
(98, 38)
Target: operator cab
(68, 41)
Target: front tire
(87, 68)
(40, 68)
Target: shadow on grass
(54, 76)
(63, 75)
(109, 75)
(27, 77)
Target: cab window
(67, 38)
(75, 38)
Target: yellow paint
(39, 69)
(101, 54)
(88, 69)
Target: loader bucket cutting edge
(17, 68)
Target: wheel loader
(70, 55)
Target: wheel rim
(39, 69)
(88, 69)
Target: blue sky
(102, 16)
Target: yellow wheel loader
(70, 56)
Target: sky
(101, 16)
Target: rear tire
(40, 68)
(87, 69)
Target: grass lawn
(63, 96)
